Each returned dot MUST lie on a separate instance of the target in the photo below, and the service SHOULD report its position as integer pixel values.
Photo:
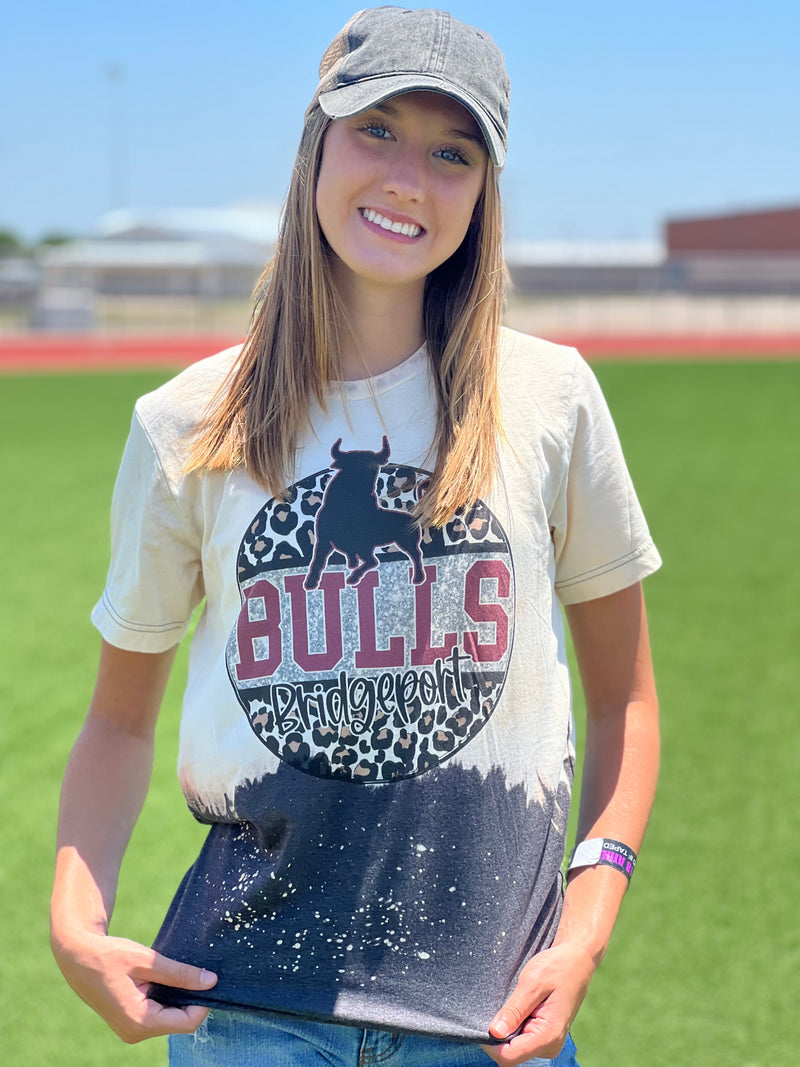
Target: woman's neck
(382, 327)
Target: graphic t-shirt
(377, 721)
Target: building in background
(562, 268)
(745, 252)
(756, 252)
(198, 254)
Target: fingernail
(500, 1027)
(207, 977)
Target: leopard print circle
(366, 649)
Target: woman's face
(397, 187)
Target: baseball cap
(384, 51)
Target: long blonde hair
(290, 353)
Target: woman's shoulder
(176, 407)
(524, 354)
(544, 385)
(527, 362)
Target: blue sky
(622, 114)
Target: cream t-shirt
(377, 721)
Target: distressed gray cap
(384, 51)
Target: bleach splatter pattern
(287, 910)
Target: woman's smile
(390, 223)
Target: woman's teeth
(409, 229)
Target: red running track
(25, 354)
(89, 352)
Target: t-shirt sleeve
(155, 578)
(600, 536)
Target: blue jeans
(259, 1039)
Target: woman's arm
(104, 787)
(620, 768)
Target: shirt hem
(135, 637)
(169, 996)
(610, 578)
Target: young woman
(385, 499)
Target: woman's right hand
(104, 787)
(112, 975)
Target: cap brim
(349, 100)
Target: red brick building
(742, 252)
(753, 231)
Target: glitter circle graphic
(368, 650)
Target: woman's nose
(405, 178)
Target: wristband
(603, 851)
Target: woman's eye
(379, 132)
(453, 155)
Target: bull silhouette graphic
(351, 521)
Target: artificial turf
(703, 966)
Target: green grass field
(703, 968)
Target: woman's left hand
(543, 1005)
